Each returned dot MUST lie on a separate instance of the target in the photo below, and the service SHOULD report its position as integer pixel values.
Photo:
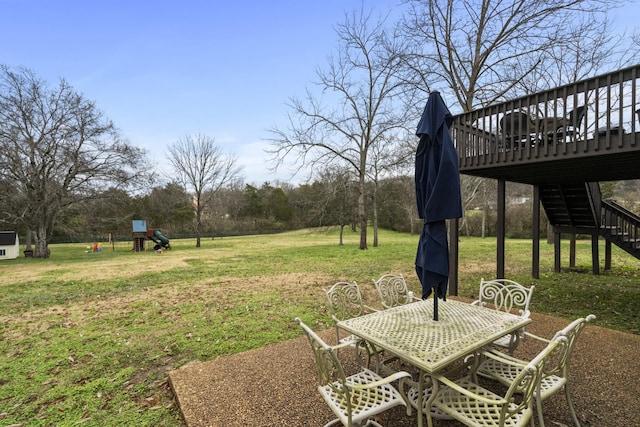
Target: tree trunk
(375, 218)
(362, 214)
(41, 242)
(341, 234)
(27, 242)
(198, 223)
(28, 248)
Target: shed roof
(8, 238)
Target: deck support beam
(557, 261)
(500, 228)
(595, 258)
(535, 255)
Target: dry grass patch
(114, 268)
(292, 286)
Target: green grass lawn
(88, 338)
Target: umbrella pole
(435, 303)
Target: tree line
(241, 208)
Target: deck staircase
(621, 227)
(579, 209)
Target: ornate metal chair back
(393, 290)
(505, 295)
(345, 300)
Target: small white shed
(9, 245)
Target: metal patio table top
(410, 332)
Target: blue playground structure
(141, 233)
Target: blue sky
(163, 69)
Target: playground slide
(161, 237)
(162, 240)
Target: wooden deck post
(556, 252)
(500, 228)
(535, 255)
(595, 258)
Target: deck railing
(621, 223)
(589, 117)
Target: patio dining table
(409, 332)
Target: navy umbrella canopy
(438, 196)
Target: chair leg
(472, 362)
(514, 341)
(539, 409)
(356, 348)
(371, 352)
(434, 392)
(570, 405)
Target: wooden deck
(602, 145)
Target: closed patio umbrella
(437, 179)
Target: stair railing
(618, 221)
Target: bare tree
(478, 51)
(336, 198)
(57, 150)
(386, 157)
(361, 83)
(202, 169)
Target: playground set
(141, 234)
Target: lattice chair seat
(508, 341)
(506, 373)
(412, 393)
(356, 398)
(506, 295)
(366, 400)
(351, 340)
(483, 409)
(505, 369)
(476, 406)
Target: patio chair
(393, 290)
(356, 398)
(518, 128)
(506, 295)
(473, 405)
(345, 302)
(505, 369)
(566, 127)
